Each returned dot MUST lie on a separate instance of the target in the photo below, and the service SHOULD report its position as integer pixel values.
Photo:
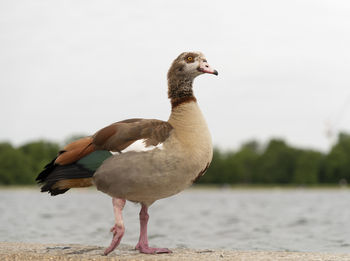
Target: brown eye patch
(189, 58)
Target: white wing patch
(139, 145)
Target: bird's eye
(190, 58)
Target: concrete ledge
(28, 251)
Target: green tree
(337, 162)
(39, 153)
(276, 164)
(307, 167)
(13, 166)
(244, 162)
(216, 171)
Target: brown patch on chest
(178, 101)
(201, 173)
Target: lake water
(237, 219)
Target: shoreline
(34, 251)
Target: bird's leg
(142, 245)
(118, 229)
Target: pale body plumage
(178, 152)
(160, 173)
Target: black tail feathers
(47, 170)
(53, 173)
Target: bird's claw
(145, 249)
(118, 232)
(114, 229)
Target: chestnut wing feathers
(118, 136)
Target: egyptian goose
(181, 151)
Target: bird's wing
(116, 137)
(120, 135)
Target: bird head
(189, 65)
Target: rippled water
(262, 219)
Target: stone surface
(28, 251)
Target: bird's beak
(205, 68)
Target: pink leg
(118, 229)
(142, 245)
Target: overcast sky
(70, 67)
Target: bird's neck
(190, 129)
(180, 91)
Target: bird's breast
(150, 175)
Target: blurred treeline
(273, 163)
(279, 163)
(21, 165)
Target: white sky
(69, 67)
